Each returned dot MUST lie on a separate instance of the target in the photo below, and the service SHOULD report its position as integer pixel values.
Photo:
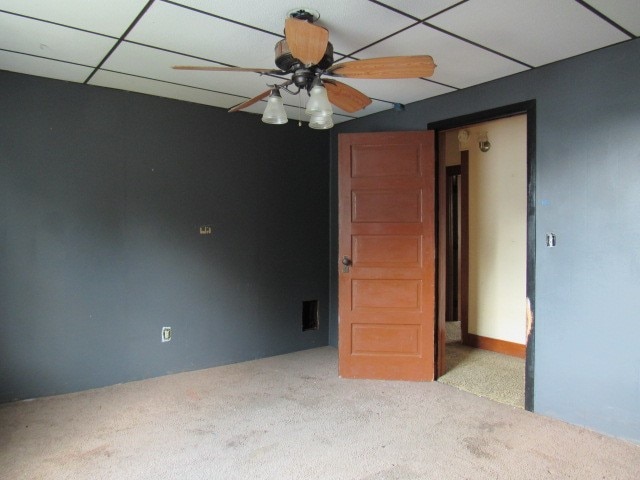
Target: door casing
(528, 108)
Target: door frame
(528, 108)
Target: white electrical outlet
(166, 334)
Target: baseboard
(495, 345)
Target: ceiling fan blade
(345, 97)
(385, 67)
(307, 42)
(250, 102)
(257, 98)
(225, 69)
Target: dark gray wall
(102, 196)
(587, 359)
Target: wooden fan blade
(225, 69)
(385, 67)
(257, 98)
(250, 102)
(307, 42)
(346, 97)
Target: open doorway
(486, 253)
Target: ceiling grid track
(122, 37)
(85, 41)
(595, 11)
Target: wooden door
(387, 239)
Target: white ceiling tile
(339, 119)
(459, 64)
(403, 91)
(161, 89)
(188, 32)
(43, 67)
(110, 17)
(419, 8)
(52, 41)
(375, 107)
(156, 64)
(625, 13)
(352, 24)
(535, 32)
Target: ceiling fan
(307, 55)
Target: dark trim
(453, 170)
(122, 37)
(463, 307)
(452, 290)
(528, 107)
(484, 116)
(531, 253)
(605, 18)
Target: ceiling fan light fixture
(320, 121)
(306, 55)
(275, 113)
(318, 100)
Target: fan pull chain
(299, 109)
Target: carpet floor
(481, 372)
(291, 417)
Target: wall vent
(310, 315)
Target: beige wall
(497, 229)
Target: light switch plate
(166, 334)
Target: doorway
(452, 305)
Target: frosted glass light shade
(321, 122)
(274, 113)
(318, 102)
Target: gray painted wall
(587, 359)
(102, 193)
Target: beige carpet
(291, 417)
(481, 372)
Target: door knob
(346, 263)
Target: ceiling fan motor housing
(287, 63)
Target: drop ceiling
(132, 44)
